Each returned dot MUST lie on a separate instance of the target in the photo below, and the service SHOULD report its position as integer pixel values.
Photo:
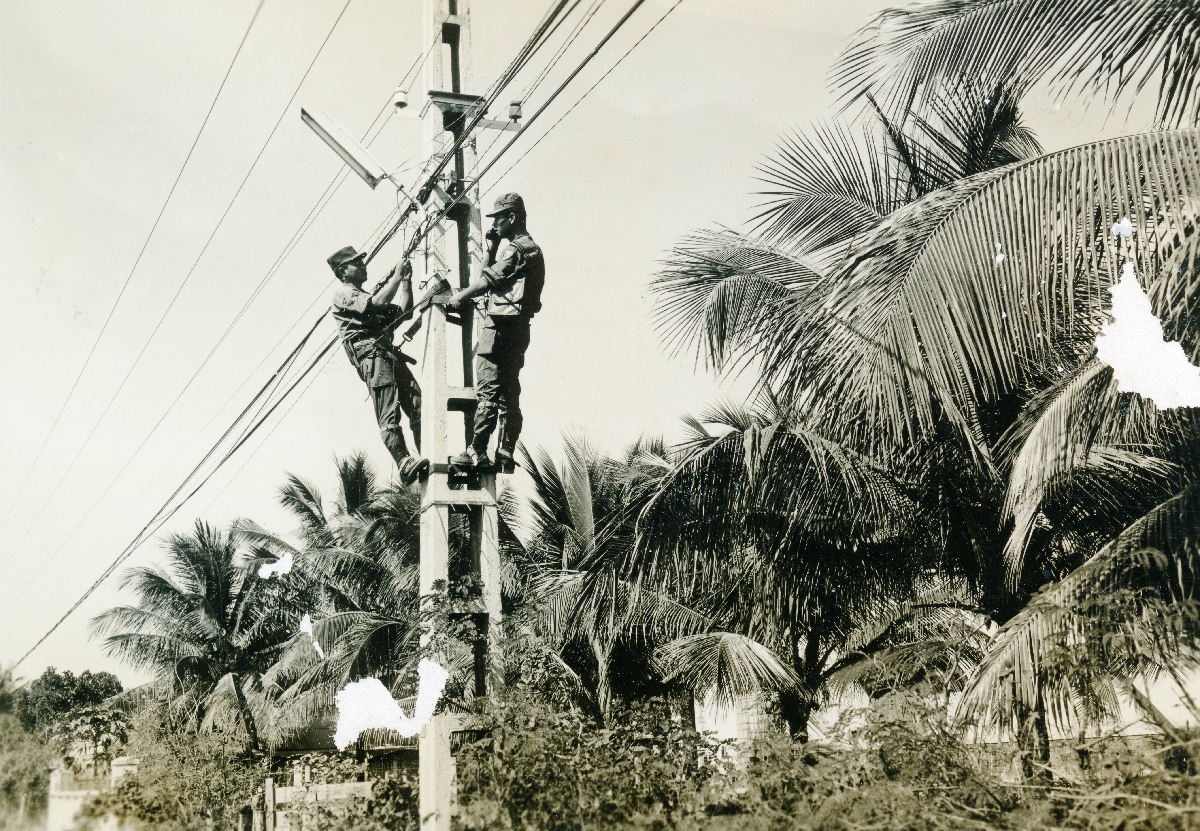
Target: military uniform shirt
(361, 324)
(365, 333)
(516, 279)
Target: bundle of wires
(292, 370)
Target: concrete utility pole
(447, 112)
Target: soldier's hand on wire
(406, 269)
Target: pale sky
(99, 104)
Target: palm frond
(1118, 482)
(954, 656)
(297, 658)
(576, 475)
(152, 652)
(1108, 47)
(304, 501)
(927, 318)
(725, 663)
(827, 187)
(712, 291)
(972, 130)
(1175, 295)
(250, 533)
(357, 482)
(1074, 427)
(779, 490)
(1153, 565)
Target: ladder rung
(460, 475)
(461, 399)
(449, 497)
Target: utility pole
(446, 114)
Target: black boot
(412, 468)
(505, 463)
(473, 460)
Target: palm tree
(902, 322)
(206, 625)
(577, 530)
(1113, 48)
(1127, 613)
(358, 565)
(920, 316)
(791, 543)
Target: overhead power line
(322, 201)
(563, 47)
(558, 91)
(444, 212)
(164, 514)
(579, 101)
(186, 278)
(154, 227)
(553, 62)
(320, 366)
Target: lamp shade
(353, 153)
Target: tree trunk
(247, 717)
(603, 682)
(797, 706)
(1033, 740)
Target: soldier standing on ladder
(366, 322)
(513, 284)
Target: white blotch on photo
(367, 705)
(1141, 360)
(281, 566)
(306, 627)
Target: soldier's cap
(509, 202)
(344, 256)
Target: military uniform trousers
(498, 360)
(394, 390)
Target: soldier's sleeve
(350, 299)
(501, 274)
(392, 314)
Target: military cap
(509, 202)
(342, 257)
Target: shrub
(185, 779)
(25, 765)
(540, 768)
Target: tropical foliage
(185, 779)
(206, 625)
(1105, 48)
(938, 326)
(939, 510)
(53, 695)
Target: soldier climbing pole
(446, 114)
